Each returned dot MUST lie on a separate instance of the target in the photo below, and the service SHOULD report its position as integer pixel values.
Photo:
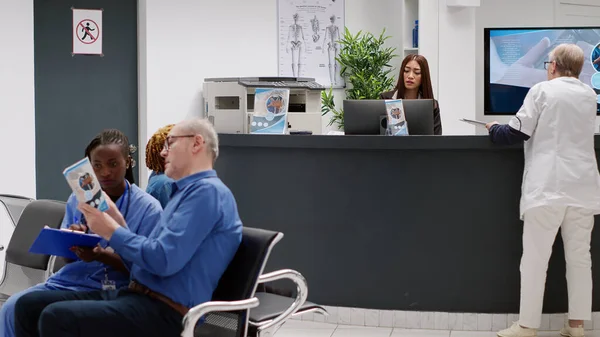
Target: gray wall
(78, 96)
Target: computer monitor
(366, 116)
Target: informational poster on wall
(309, 31)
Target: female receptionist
(414, 83)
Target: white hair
(569, 59)
(204, 128)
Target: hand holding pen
(79, 228)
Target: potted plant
(365, 65)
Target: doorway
(76, 97)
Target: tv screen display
(514, 62)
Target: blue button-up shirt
(142, 214)
(194, 242)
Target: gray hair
(204, 128)
(569, 59)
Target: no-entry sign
(87, 31)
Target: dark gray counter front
(426, 223)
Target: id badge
(109, 285)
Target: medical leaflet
(396, 125)
(85, 184)
(270, 111)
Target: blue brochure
(397, 125)
(85, 185)
(270, 111)
(57, 242)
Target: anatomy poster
(309, 31)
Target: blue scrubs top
(159, 186)
(142, 212)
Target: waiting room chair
(14, 205)
(24, 269)
(11, 207)
(226, 315)
(274, 309)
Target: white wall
(447, 40)
(17, 125)
(429, 29)
(456, 68)
(184, 41)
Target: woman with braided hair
(97, 267)
(159, 185)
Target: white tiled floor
(295, 328)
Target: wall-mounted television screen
(514, 62)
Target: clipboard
(57, 242)
(474, 122)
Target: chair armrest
(50, 268)
(302, 294)
(193, 316)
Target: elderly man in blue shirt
(175, 268)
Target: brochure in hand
(85, 185)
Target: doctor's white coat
(560, 160)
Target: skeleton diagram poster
(309, 31)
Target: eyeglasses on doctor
(169, 141)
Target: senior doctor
(561, 187)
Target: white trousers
(539, 232)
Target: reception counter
(424, 223)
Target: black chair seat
(272, 305)
(221, 324)
(237, 283)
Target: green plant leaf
(365, 65)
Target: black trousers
(94, 313)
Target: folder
(57, 242)
(474, 122)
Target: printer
(229, 102)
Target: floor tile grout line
(334, 330)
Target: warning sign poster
(87, 31)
